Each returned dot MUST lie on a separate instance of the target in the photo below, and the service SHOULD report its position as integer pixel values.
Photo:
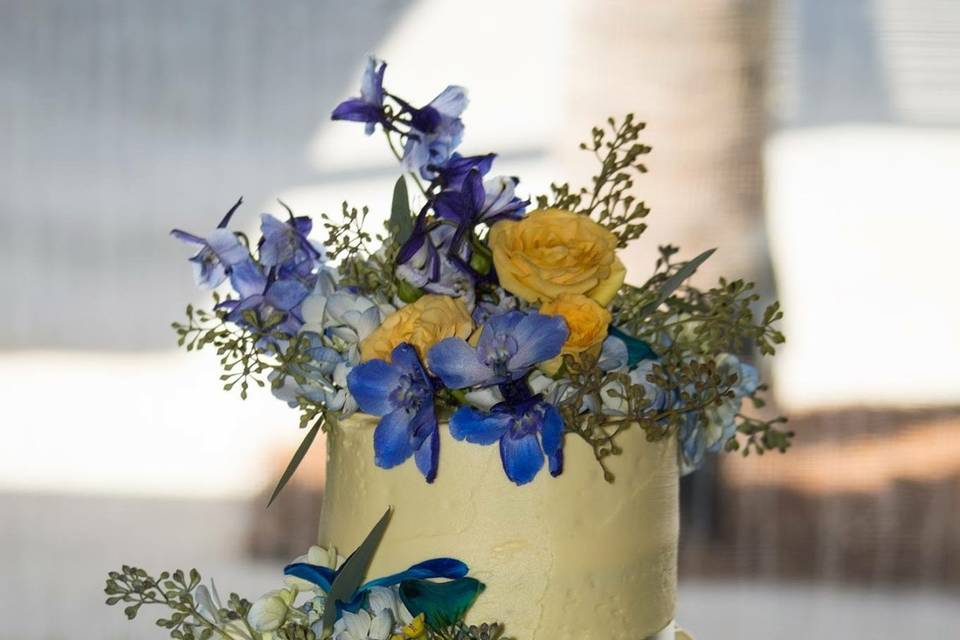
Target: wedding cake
(506, 419)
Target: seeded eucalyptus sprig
(242, 362)
(349, 240)
(178, 592)
(695, 386)
(609, 199)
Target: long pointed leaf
(401, 222)
(351, 574)
(296, 459)
(674, 281)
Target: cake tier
(571, 557)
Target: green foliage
(177, 592)
(689, 328)
(371, 272)
(608, 199)
(242, 362)
(462, 631)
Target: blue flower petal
(555, 462)
(522, 457)
(189, 238)
(478, 427)
(451, 102)
(228, 247)
(371, 384)
(427, 456)
(539, 338)
(391, 439)
(434, 568)
(247, 279)
(286, 294)
(320, 576)
(357, 110)
(404, 356)
(552, 430)
(455, 363)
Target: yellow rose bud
(552, 252)
(587, 321)
(423, 324)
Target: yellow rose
(587, 321)
(552, 252)
(422, 323)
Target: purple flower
(478, 201)
(402, 394)
(368, 107)
(435, 131)
(510, 345)
(221, 255)
(428, 261)
(274, 309)
(285, 247)
(453, 172)
(526, 430)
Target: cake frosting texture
(567, 557)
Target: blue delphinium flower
(453, 172)
(368, 107)
(221, 255)
(428, 261)
(293, 265)
(401, 393)
(510, 345)
(435, 132)
(477, 201)
(285, 246)
(527, 430)
(276, 308)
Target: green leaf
(351, 575)
(296, 460)
(674, 281)
(401, 222)
(441, 603)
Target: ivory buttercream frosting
(570, 557)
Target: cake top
(508, 316)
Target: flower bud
(270, 611)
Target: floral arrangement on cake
(324, 596)
(512, 321)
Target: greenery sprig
(178, 592)
(608, 199)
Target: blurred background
(816, 142)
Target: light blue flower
(368, 108)
(435, 132)
(221, 255)
(286, 247)
(510, 345)
(402, 394)
(708, 431)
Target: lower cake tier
(567, 557)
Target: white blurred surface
(863, 224)
(146, 423)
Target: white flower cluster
(383, 616)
